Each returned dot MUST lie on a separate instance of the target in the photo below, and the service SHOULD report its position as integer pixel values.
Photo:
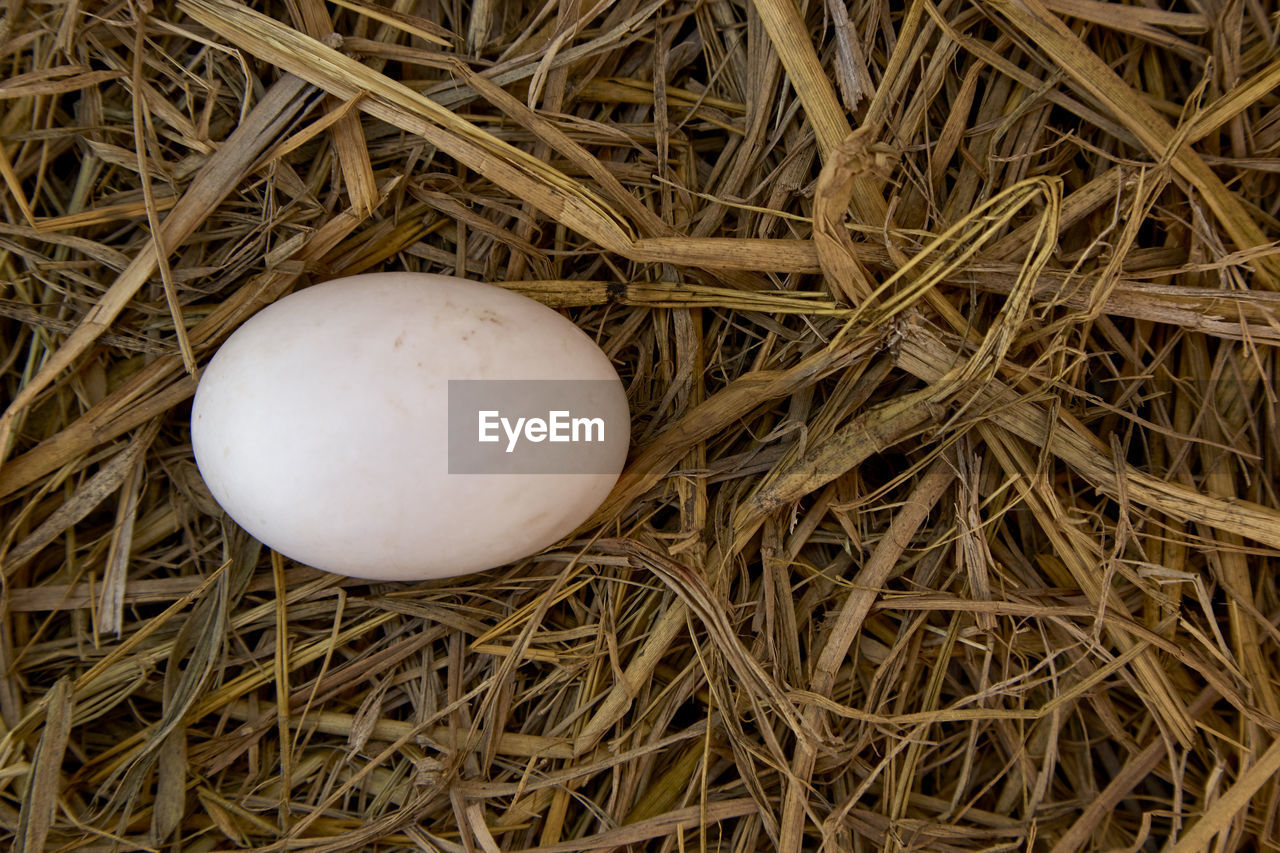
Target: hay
(950, 336)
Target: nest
(950, 335)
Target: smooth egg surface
(322, 426)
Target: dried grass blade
(745, 393)
(162, 201)
(191, 661)
(791, 40)
(131, 750)
(428, 31)
(281, 670)
(1253, 316)
(512, 168)
(893, 421)
(215, 180)
(567, 293)
(925, 356)
(83, 501)
(12, 181)
(1076, 205)
(286, 146)
(629, 90)
(1228, 806)
(648, 223)
(348, 134)
(844, 632)
(847, 165)
(513, 744)
(143, 133)
(897, 71)
(1135, 770)
(1098, 79)
(948, 252)
(870, 433)
(1209, 119)
(105, 255)
(701, 601)
(40, 800)
(170, 804)
(639, 670)
(110, 611)
(668, 826)
(1150, 24)
(100, 676)
(667, 790)
(42, 83)
(154, 389)
(1081, 555)
(727, 253)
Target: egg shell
(321, 426)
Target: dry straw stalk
(950, 334)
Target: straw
(949, 332)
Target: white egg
(323, 426)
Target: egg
(404, 426)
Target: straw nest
(950, 333)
